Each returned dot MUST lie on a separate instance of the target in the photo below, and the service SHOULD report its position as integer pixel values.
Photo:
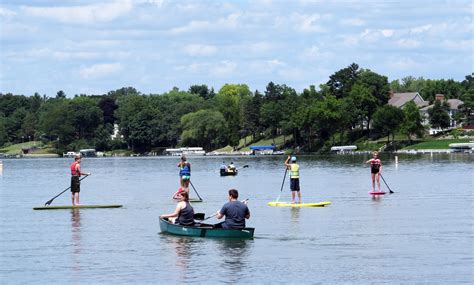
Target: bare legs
(75, 198)
(376, 177)
(293, 194)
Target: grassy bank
(436, 144)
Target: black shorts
(295, 184)
(374, 170)
(75, 184)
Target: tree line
(352, 105)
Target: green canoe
(204, 230)
(76, 207)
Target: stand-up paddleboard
(298, 205)
(195, 200)
(76, 207)
(377, 193)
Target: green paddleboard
(76, 207)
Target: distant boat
(70, 154)
(187, 151)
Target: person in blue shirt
(235, 212)
(184, 174)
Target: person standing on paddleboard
(184, 174)
(75, 183)
(375, 169)
(294, 169)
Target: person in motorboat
(184, 212)
(234, 211)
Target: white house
(453, 109)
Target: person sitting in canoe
(294, 169)
(234, 211)
(231, 167)
(184, 212)
(75, 181)
(184, 173)
(223, 168)
(375, 169)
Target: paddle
(281, 190)
(391, 192)
(243, 201)
(195, 190)
(245, 166)
(49, 202)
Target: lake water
(421, 234)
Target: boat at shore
(204, 230)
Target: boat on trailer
(204, 230)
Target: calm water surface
(421, 234)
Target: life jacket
(375, 163)
(294, 170)
(185, 170)
(75, 172)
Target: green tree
(413, 122)
(387, 120)
(205, 128)
(439, 117)
(340, 83)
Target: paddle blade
(245, 166)
(199, 216)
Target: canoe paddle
(243, 201)
(281, 190)
(49, 202)
(391, 192)
(195, 190)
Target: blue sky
(92, 47)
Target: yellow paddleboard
(287, 204)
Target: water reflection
(76, 238)
(235, 258)
(295, 214)
(185, 249)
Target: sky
(93, 47)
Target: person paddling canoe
(235, 212)
(75, 183)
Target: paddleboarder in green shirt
(294, 169)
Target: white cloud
(314, 53)
(421, 29)
(101, 12)
(387, 33)
(408, 43)
(224, 69)
(308, 23)
(405, 64)
(5, 13)
(353, 22)
(193, 26)
(100, 70)
(200, 50)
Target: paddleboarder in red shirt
(375, 169)
(75, 183)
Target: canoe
(76, 207)
(204, 230)
(298, 205)
(229, 173)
